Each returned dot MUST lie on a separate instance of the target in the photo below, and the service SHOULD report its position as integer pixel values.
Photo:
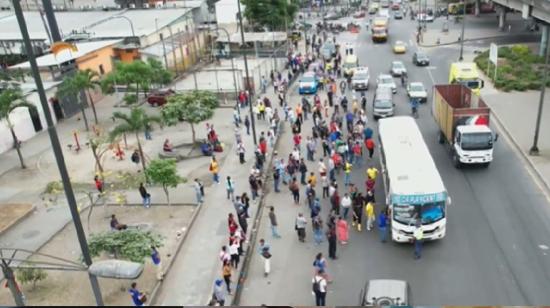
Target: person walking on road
(418, 240)
(346, 205)
(230, 188)
(241, 151)
(325, 183)
(218, 294)
(382, 226)
(234, 252)
(320, 288)
(295, 190)
(138, 298)
(332, 240)
(266, 254)
(197, 186)
(276, 179)
(155, 257)
(215, 169)
(226, 273)
(335, 202)
(145, 196)
(247, 124)
(357, 213)
(343, 230)
(369, 209)
(303, 171)
(273, 222)
(317, 223)
(347, 171)
(369, 144)
(300, 226)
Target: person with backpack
(320, 288)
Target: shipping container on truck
(463, 120)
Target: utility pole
(247, 85)
(52, 22)
(534, 148)
(12, 285)
(462, 33)
(56, 145)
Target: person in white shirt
(346, 205)
(320, 288)
(234, 252)
(418, 239)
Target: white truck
(463, 120)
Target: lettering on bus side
(419, 199)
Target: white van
(382, 104)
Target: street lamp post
(232, 68)
(534, 148)
(252, 121)
(57, 150)
(460, 58)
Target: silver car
(398, 68)
(360, 80)
(386, 80)
(385, 292)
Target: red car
(395, 6)
(158, 98)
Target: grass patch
(519, 69)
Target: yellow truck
(466, 73)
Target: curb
(18, 220)
(525, 156)
(158, 284)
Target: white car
(425, 17)
(416, 90)
(360, 79)
(386, 80)
(385, 292)
(398, 68)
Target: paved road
(497, 224)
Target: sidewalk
(191, 278)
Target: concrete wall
(226, 11)
(22, 123)
(100, 58)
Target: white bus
(413, 186)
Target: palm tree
(88, 80)
(135, 122)
(11, 99)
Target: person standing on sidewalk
(155, 257)
(320, 288)
(382, 226)
(295, 190)
(241, 151)
(197, 186)
(145, 196)
(346, 205)
(276, 179)
(357, 212)
(335, 202)
(265, 252)
(138, 298)
(325, 183)
(369, 209)
(230, 188)
(369, 144)
(303, 170)
(347, 173)
(234, 252)
(98, 185)
(317, 224)
(332, 240)
(254, 186)
(300, 226)
(273, 222)
(215, 169)
(218, 294)
(247, 124)
(418, 240)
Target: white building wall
(226, 11)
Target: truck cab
(473, 144)
(466, 73)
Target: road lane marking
(431, 67)
(431, 76)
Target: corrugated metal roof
(254, 37)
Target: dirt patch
(73, 288)
(11, 214)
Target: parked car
(398, 68)
(385, 292)
(373, 8)
(399, 47)
(416, 90)
(360, 80)
(308, 84)
(386, 80)
(420, 59)
(398, 14)
(158, 98)
(425, 17)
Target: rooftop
(100, 24)
(67, 55)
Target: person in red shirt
(98, 184)
(263, 147)
(369, 143)
(297, 140)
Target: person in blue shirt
(155, 257)
(367, 132)
(382, 226)
(414, 107)
(137, 297)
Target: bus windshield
(430, 212)
(472, 84)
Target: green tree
(10, 99)
(30, 275)
(87, 81)
(274, 14)
(159, 75)
(163, 172)
(72, 87)
(136, 122)
(131, 244)
(192, 107)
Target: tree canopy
(131, 244)
(270, 13)
(137, 75)
(163, 172)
